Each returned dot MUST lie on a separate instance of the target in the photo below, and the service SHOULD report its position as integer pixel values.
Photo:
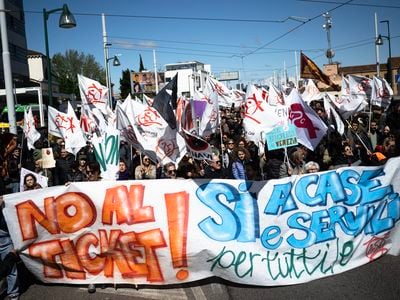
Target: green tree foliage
(65, 68)
(125, 83)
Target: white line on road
(168, 294)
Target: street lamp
(379, 42)
(115, 63)
(66, 21)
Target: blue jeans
(6, 246)
(15, 187)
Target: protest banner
(276, 232)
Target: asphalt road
(377, 280)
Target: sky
(254, 37)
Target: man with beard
(374, 135)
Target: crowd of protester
(366, 141)
(369, 139)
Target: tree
(65, 68)
(125, 83)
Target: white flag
(226, 97)
(93, 93)
(209, 119)
(147, 100)
(30, 132)
(353, 96)
(55, 119)
(331, 112)
(311, 92)
(258, 116)
(107, 152)
(125, 125)
(154, 134)
(381, 92)
(73, 134)
(310, 129)
(67, 126)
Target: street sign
(225, 76)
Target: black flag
(166, 100)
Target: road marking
(168, 294)
(198, 293)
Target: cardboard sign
(281, 137)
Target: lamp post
(116, 63)
(327, 26)
(66, 21)
(378, 70)
(379, 42)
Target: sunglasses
(171, 172)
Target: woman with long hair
(239, 165)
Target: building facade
(17, 45)
(191, 76)
(336, 71)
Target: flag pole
(22, 147)
(297, 71)
(155, 70)
(359, 138)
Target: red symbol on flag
(95, 94)
(148, 117)
(301, 120)
(167, 146)
(64, 122)
(251, 106)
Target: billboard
(224, 76)
(144, 82)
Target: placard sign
(281, 137)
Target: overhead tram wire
(351, 4)
(290, 18)
(229, 54)
(169, 52)
(337, 48)
(165, 47)
(180, 18)
(295, 28)
(278, 50)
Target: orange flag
(308, 69)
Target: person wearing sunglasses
(146, 170)
(169, 171)
(213, 169)
(93, 171)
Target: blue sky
(255, 49)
